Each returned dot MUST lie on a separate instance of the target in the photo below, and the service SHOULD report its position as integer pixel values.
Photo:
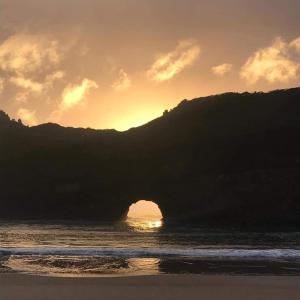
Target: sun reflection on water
(137, 224)
(144, 215)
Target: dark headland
(227, 159)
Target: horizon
(158, 117)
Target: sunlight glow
(144, 209)
(144, 215)
(136, 119)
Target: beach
(208, 287)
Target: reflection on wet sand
(144, 266)
(82, 266)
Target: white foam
(157, 252)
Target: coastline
(25, 287)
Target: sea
(144, 247)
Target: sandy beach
(26, 287)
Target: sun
(136, 119)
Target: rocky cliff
(225, 159)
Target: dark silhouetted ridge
(225, 159)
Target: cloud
(55, 76)
(1, 85)
(272, 64)
(22, 97)
(123, 82)
(170, 64)
(31, 86)
(27, 116)
(74, 95)
(295, 44)
(27, 84)
(222, 70)
(24, 53)
(51, 78)
(30, 63)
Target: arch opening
(144, 215)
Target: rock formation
(226, 159)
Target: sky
(121, 63)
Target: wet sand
(26, 287)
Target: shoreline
(25, 287)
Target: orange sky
(120, 63)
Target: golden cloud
(24, 53)
(24, 58)
(53, 77)
(31, 86)
(74, 95)
(295, 44)
(272, 64)
(27, 116)
(123, 82)
(27, 84)
(170, 64)
(222, 70)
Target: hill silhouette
(225, 159)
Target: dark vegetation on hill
(225, 159)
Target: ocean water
(144, 247)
